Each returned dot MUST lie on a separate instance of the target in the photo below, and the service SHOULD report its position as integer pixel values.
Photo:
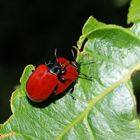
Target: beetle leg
(64, 79)
(53, 97)
(71, 90)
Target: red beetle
(51, 79)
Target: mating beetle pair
(51, 79)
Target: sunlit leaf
(134, 11)
(105, 106)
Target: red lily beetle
(51, 79)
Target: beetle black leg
(71, 90)
(72, 97)
(63, 79)
(53, 96)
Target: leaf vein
(92, 102)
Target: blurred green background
(31, 30)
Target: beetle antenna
(45, 63)
(55, 53)
(83, 76)
(77, 49)
(72, 52)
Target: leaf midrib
(93, 101)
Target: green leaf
(91, 25)
(102, 44)
(105, 106)
(134, 11)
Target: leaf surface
(105, 107)
(134, 11)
